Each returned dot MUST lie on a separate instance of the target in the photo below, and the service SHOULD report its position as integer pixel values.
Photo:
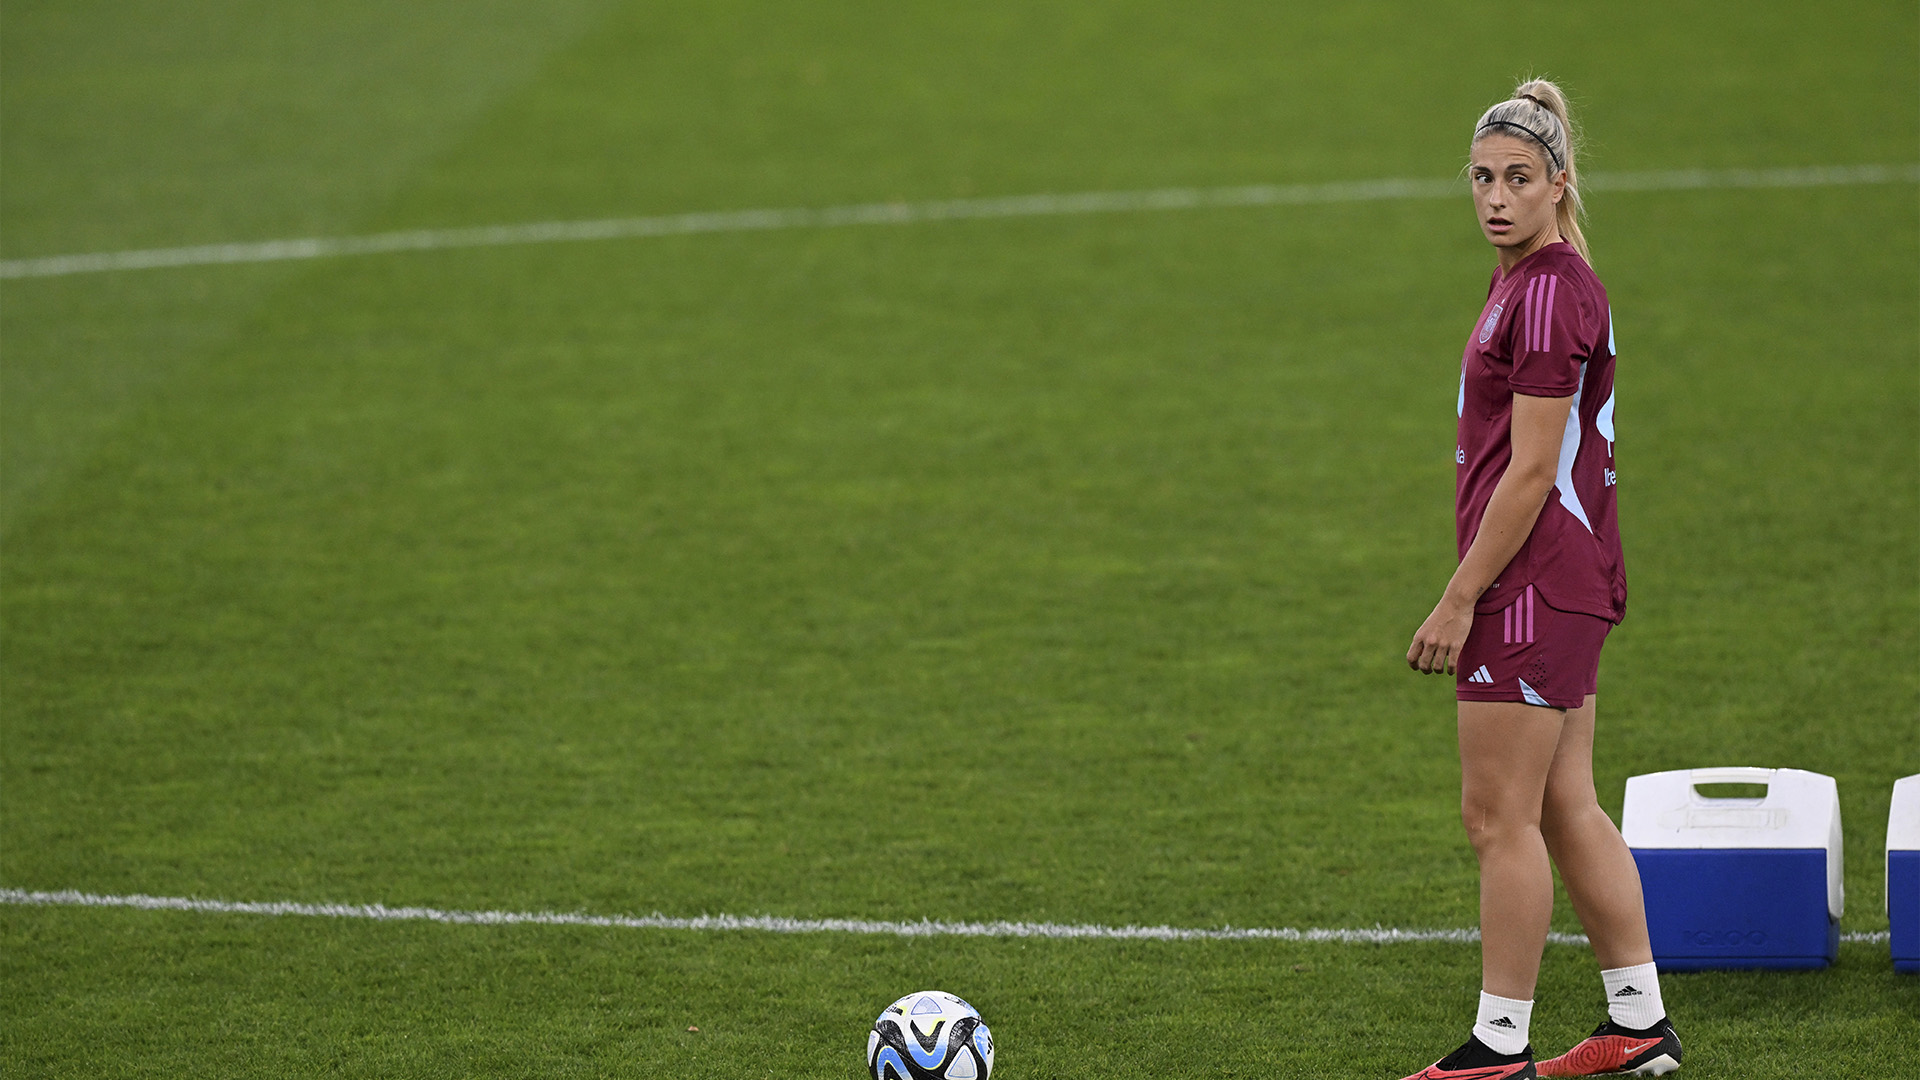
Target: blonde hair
(1537, 115)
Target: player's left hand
(1436, 648)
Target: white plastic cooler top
(1903, 819)
(1800, 810)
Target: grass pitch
(1051, 569)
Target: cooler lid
(1903, 818)
(1799, 809)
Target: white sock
(1503, 1023)
(1633, 996)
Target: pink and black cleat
(1477, 1061)
(1616, 1051)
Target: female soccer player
(1521, 623)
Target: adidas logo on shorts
(1480, 676)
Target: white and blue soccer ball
(930, 1035)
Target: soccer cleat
(1477, 1061)
(1616, 1051)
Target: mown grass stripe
(773, 924)
(906, 213)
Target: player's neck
(1511, 257)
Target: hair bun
(1544, 94)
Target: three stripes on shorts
(1516, 623)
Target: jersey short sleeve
(1550, 331)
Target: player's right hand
(1436, 647)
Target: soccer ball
(930, 1036)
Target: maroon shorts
(1531, 653)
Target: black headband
(1544, 144)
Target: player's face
(1514, 195)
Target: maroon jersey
(1546, 332)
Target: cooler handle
(1736, 774)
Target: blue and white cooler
(1748, 881)
(1903, 874)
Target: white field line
(773, 924)
(906, 213)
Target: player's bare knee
(1491, 824)
(1564, 811)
